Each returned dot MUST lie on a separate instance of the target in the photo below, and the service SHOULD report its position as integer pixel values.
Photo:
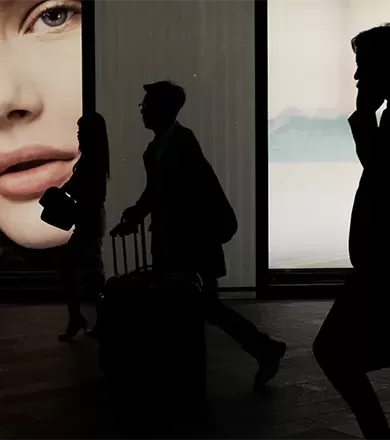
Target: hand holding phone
(369, 98)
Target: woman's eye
(53, 18)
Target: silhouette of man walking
(354, 336)
(191, 218)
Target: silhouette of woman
(88, 186)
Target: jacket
(369, 228)
(177, 196)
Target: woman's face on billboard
(40, 103)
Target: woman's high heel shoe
(74, 326)
(93, 332)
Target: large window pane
(313, 168)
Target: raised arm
(363, 123)
(365, 133)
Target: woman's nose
(19, 101)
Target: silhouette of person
(353, 338)
(87, 186)
(191, 218)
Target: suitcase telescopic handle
(115, 259)
(114, 252)
(124, 254)
(136, 250)
(143, 244)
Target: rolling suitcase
(152, 337)
(118, 292)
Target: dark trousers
(352, 341)
(235, 325)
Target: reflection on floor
(48, 390)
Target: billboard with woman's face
(40, 103)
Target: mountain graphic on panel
(322, 136)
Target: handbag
(59, 209)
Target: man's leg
(235, 325)
(347, 346)
(259, 345)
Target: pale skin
(40, 75)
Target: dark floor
(49, 390)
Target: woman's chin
(50, 238)
(21, 222)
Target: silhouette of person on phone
(353, 339)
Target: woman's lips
(33, 182)
(26, 172)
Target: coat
(370, 222)
(179, 195)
